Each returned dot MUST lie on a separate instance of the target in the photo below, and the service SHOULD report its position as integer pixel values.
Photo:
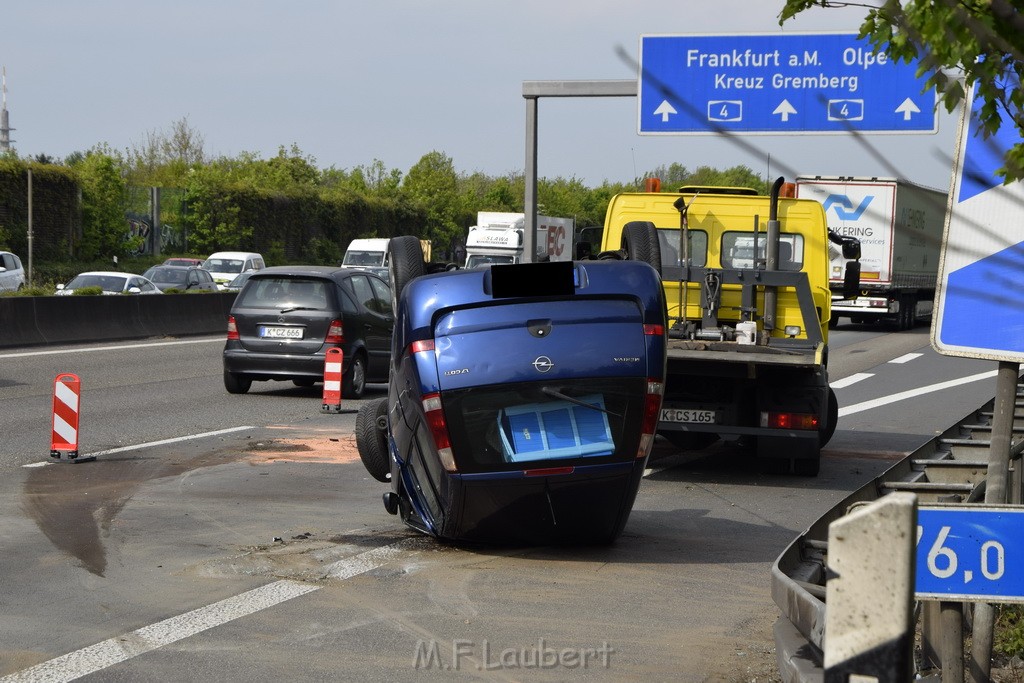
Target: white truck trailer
(497, 237)
(899, 225)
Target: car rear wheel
(353, 383)
(371, 438)
(405, 263)
(235, 383)
(640, 242)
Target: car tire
(371, 440)
(353, 382)
(405, 264)
(235, 383)
(640, 242)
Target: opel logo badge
(542, 364)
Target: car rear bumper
(276, 366)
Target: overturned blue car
(523, 399)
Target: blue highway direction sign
(778, 83)
(970, 553)
(979, 302)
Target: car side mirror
(60, 287)
(134, 290)
(851, 279)
(851, 248)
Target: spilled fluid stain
(74, 504)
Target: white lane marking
(852, 379)
(102, 655)
(121, 347)
(162, 442)
(893, 398)
(906, 358)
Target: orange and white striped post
(332, 381)
(67, 390)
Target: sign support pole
(995, 493)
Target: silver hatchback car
(12, 273)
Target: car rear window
(284, 292)
(584, 421)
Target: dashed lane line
(113, 651)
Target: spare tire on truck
(640, 242)
(405, 263)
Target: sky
(393, 80)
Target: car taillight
(232, 329)
(434, 415)
(806, 421)
(421, 345)
(335, 333)
(649, 422)
(654, 330)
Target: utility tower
(5, 124)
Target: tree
(104, 228)
(983, 40)
(164, 158)
(433, 184)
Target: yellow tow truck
(746, 281)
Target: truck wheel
(640, 242)
(405, 263)
(807, 467)
(909, 306)
(831, 418)
(371, 440)
(689, 441)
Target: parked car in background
(240, 279)
(184, 261)
(12, 273)
(110, 282)
(185, 278)
(285, 319)
(225, 265)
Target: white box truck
(899, 225)
(497, 237)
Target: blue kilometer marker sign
(778, 83)
(973, 553)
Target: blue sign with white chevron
(980, 298)
(778, 83)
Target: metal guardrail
(950, 468)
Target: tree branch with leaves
(981, 41)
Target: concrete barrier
(38, 320)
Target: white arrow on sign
(784, 109)
(664, 110)
(907, 107)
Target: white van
(12, 273)
(368, 254)
(225, 265)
